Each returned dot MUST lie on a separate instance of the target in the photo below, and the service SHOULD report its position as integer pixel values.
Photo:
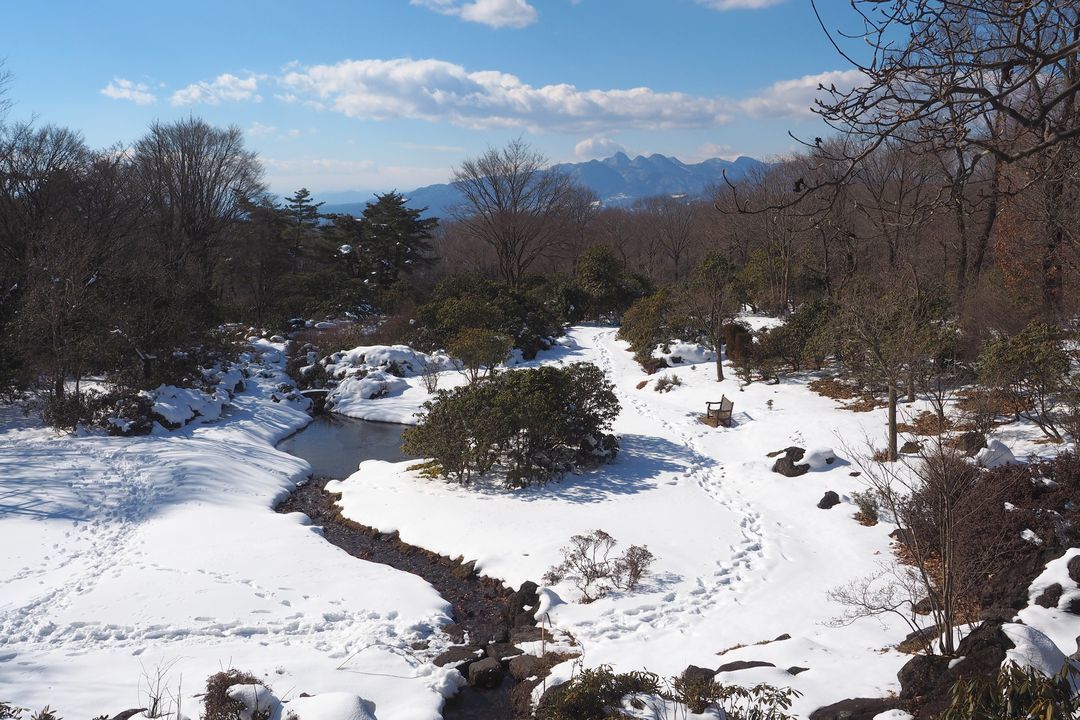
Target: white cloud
(225, 87)
(258, 129)
(739, 4)
(707, 151)
(334, 174)
(123, 89)
(493, 13)
(440, 91)
(597, 147)
(431, 148)
(795, 98)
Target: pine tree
(394, 240)
(304, 214)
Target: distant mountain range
(618, 181)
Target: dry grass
(833, 388)
(841, 391)
(864, 521)
(865, 403)
(926, 423)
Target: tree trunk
(892, 421)
(719, 363)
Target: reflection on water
(335, 445)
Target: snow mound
(1033, 649)
(687, 353)
(894, 715)
(821, 458)
(995, 454)
(331, 706)
(177, 406)
(368, 387)
(257, 700)
(400, 360)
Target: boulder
(787, 466)
(524, 666)
(486, 673)
(519, 603)
(923, 607)
(1073, 606)
(855, 709)
(829, 500)
(527, 633)
(128, 714)
(922, 675)
(695, 674)
(502, 651)
(928, 679)
(459, 657)
(743, 665)
(1074, 569)
(1049, 597)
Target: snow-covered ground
(743, 555)
(119, 556)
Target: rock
(795, 670)
(829, 500)
(786, 465)
(743, 665)
(502, 651)
(459, 657)
(695, 674)
(923, 607)
(921, 638)
(1074, 569)
(969, 443)
(519, 604)
(1049, 597)
(1073, 606)
(929, 679)
(455, 632)
(911, 447)
(528, 633)
(486, 673)
(524, 666)
(779, 638)
(127, 714)
(855, 709)
(922, 675)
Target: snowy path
(742, 554)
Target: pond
(335, 445)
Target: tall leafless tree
(514, 203)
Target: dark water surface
(335, 445)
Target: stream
(335, 446)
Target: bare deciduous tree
(514, 203)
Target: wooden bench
(719, 413)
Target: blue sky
(383, 94)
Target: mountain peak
(617, 180)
